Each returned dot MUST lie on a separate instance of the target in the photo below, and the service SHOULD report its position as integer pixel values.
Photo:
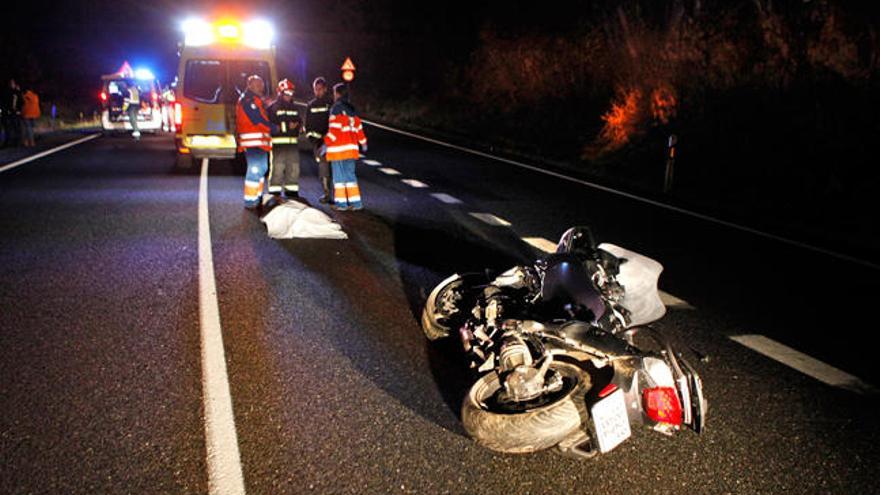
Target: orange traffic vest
(31, 107)
(344, 133)
(252, 132)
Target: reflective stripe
(314, 134)
(342, 147)
(286, 112)
(354, 199)
(319, 109)
(273, 189)
(335, 124)
(284, 140)
(331, 136)
(292, 187)
(252, 143)
(251, 135)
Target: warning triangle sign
(348, 64)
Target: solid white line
(41, 154)
(389, 171)
(803, 363)
(372, 163)
(549, 246)
(491, 219)
(414, 183)
(451, 200)
(658, 204)
(223, 459)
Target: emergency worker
(254, 139)
(30, 112)
(317, 115)
(345, 134)
(284, 170)
(12, 103)
(132, 104)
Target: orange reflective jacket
(31, 106)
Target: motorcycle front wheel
(436, 320)
(530, 427)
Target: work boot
(325, 184)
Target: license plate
(611, 421)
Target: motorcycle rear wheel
(530, 430)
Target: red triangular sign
(125, 70)
(348, 64)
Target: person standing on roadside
(254, 139)
(12, 105)
(284, 169)
(30, 112)
(344, 140)
(317, 115)
(132, 105)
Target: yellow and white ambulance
(216, 59)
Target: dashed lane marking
(640, 199)
(450, 200)
(10, 166)
(805, 364)
(389, 171)
(223, 459)
(372, 163)
(414, 183)
(548, 246)
(491, 219)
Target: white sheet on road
(296, 220)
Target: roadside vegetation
(774, 104)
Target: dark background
(774, 103)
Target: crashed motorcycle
(565, 352)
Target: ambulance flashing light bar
(255, 34)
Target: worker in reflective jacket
(317, 115)
(254, 139)
(345, 134)
(284, 169)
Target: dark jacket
(317, 117)
(286, 117)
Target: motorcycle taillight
(662, 405)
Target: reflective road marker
(414, 183)
(450, 200)
(223, 459)
(372, 163)
(389, 171)
(803, 363)
(491, 219)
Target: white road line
(414, 183)
(640, 199)
(803, 363)
(372, 163)
(542, 244)
(450, 200)
(10, 166)
(549, 246)
(223, 459)
(491, 219)
(389, 171)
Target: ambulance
(216, 59)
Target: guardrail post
(670, 163)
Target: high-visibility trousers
(346, 192)
(257, 165)
(284, 171)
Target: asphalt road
(334, 388)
